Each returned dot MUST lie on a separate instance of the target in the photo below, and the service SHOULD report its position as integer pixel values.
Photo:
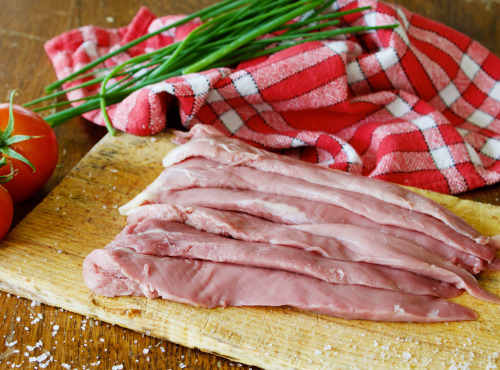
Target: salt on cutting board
(39, 262)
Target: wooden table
(41, 332)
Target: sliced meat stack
(228, 224)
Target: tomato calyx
(9, 176)
(6, 140)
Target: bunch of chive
(230, 33)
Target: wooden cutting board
(41, 260)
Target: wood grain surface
(42, 259)
(39, 330)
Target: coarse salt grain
(42, 357)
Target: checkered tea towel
(418, 105)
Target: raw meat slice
(208, 142)
(356, 236)
(210, 284)
(173, 239)
(292, 210)
(200, 172)
(346, 242)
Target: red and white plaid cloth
(418, 105)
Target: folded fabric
(417, 105)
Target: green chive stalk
(231, 31)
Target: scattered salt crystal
(11, 343)
(328, 347)
(42, 357)
(110, 20)
(117, 367)
(104, 207)
(32, 359)
(317, 352)
(406, 356)
(153, 139)
(182, 366)
(66, 366)
(145, 350)
(113, 170)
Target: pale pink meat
(210, 284)
(165, 238)
(200, 172)
(282, 232)
(293, 210)
(354, 236)
(345, 242)
(208, 142)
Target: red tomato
(6, 212)
(41, 151)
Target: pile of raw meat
(227, 224)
